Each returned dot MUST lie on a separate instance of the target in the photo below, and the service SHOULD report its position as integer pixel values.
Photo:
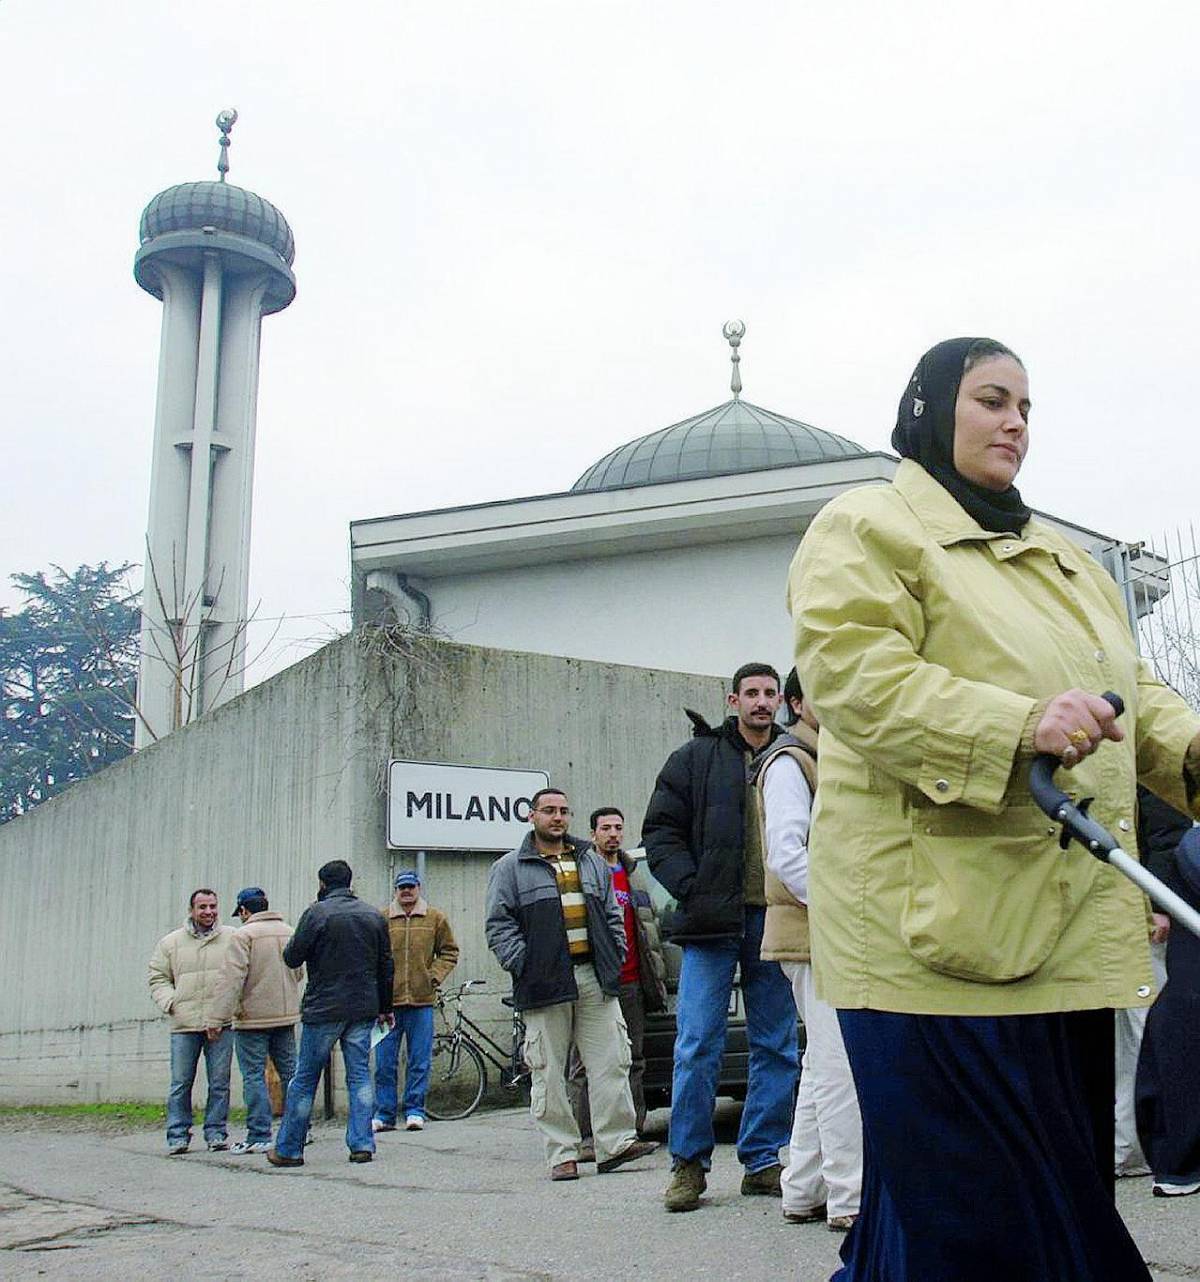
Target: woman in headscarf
(944, 637)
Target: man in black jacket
(345, 945)
(703, 840)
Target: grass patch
(122, 1113)
(125, 1110)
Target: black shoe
(361, 1155)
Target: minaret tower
(220, 259)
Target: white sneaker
(244, 1146)
(414, 1122)
(1163, 1189)
(377, 1126)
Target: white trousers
(594, 1025)
(825, 1153)
(1130, 1024)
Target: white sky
(521, 226)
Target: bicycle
(458, 1072)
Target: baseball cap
(250, 892)
(407, 877)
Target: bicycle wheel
(457, 1078)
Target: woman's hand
(1074, 725)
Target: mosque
(685, 534)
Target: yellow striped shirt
(574, 908)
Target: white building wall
(262, 792)
(706, 608)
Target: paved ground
(461, 1200)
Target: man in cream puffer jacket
(185, 972)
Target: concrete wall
(264, 790)
(706, 608)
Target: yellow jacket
(923, 642)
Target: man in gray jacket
(554, 924)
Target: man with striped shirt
(554, 924)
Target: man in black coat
(346, 947)
(704, 842)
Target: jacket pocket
(535, 1056)
(983, 902)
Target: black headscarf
(925, 433)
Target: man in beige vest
(823, 1177)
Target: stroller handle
(1079, 826)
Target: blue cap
(407, 877)
(250, 892)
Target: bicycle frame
(511, 1068)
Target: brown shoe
(810, 1216)
(361, 1155)
(631, 1153)
(688, 1181)
(276, 1160)
(840, 1223)
(565, 1171)
(764, 1183)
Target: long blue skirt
(987, 1150)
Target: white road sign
(432, 806)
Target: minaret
(219, 258)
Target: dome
(734, 437)
(194, 206)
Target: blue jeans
(186, 1049)
(705, 985)
(253, 1047)
(316, 1045)
(415, 1025)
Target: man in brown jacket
(424, 953)
(262, 996)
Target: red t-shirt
(629, 971)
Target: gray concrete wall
(264, 790)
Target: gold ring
(1079, 737)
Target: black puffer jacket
(694, 831)
(348, 951)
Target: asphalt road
(460, 1200)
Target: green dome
(734, 437)
(194, 206)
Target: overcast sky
(520, 227)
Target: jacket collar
(571, 846)
(420, 909)
(936, 508)
(190, 926)
(727, 729)
(948, 523)
(266, 915)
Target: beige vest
(785, 933)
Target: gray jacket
(525, 925)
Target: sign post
(435, 806)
